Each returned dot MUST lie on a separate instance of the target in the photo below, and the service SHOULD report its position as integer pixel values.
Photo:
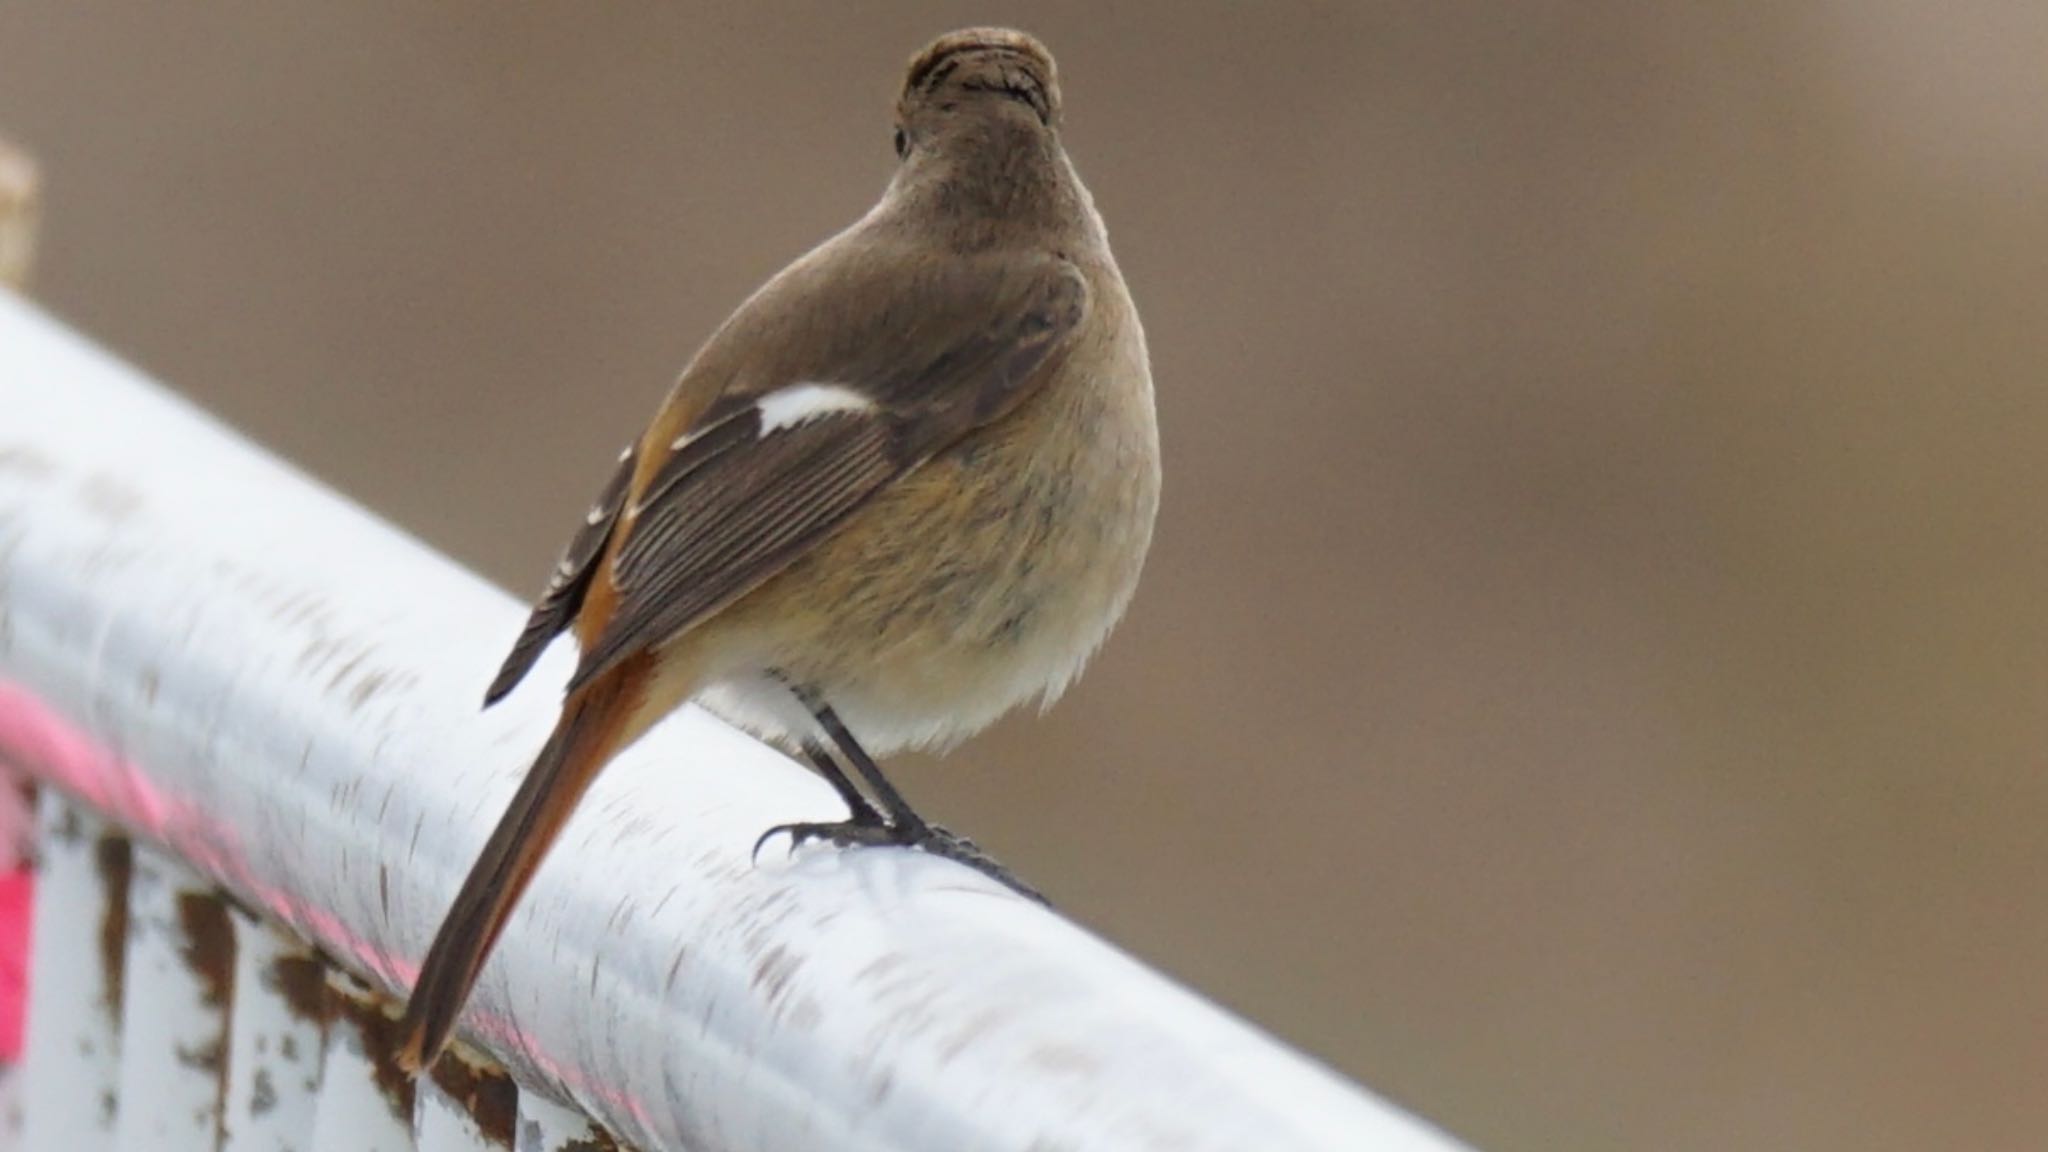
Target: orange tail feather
(595, 723)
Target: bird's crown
(999, 60)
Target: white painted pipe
(206, 646)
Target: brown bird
(906, 487)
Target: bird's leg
(891, 821)
(858, 806)
(861, 811)
(893, 805)
(895, 822)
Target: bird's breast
(988, 576)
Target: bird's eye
(902, 144)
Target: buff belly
(981, 581)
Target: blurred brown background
(1589, 684)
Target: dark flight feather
(563, 597)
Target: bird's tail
(596, 721)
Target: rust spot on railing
(114, 858)
(484, 1091)
(302, 982)
(209, 951)
(599, 1140)
(209, 945)
(379, 1035)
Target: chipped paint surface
(545, 1126)
(465, 1107)
(365, 1104)
(113, 860)
(275, 1042)
(173, 1010)
(440, 1125)
(368, 1023)
(73, 1056)
(482, 1093)
(227, 657)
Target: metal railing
(275, 694)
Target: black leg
(893, 805)
(863, 818)
(858, 805)
(895, 823)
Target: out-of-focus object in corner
(18, 205)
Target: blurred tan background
(1590, 680)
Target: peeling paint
(377, 1031)
(484, 1092)
(209, 945)
(545, 1126)
(264, 1098)
(114, 857)
(364, 1102)
(72, 1047)
(274, 1068)
(210, 1057)
(174, 1012)
(302, 982)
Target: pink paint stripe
(40, 740)
(43, 742)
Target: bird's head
(977, 88)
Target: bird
(907, 486)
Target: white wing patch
(802, 403)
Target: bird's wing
(825, 388)
(562, 599)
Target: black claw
(866, 831)
(888, 819)
(941, 842)
(865, 828)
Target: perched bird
(906, 487)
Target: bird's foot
(866, 827)
(844, 833)
(953, 846)
(866, 830)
